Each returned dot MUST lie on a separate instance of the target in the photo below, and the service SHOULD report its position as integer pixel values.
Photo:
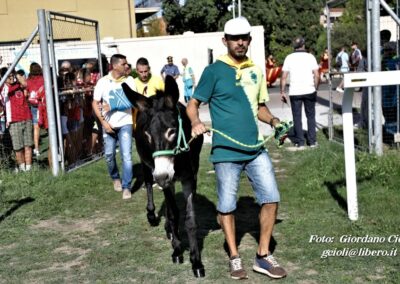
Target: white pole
(240, 8)
(376, 66)
(350, 164)
(44, 51)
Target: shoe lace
(272, 260)
(236, 264)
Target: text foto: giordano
(369, 239)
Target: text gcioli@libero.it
(394, 240)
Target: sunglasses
(245, 37)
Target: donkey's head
(157, 127)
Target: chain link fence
(8, 52)
(354, 57)
(74, 55)
(77, 69)
(363, 114)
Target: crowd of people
(23, 113)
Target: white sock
(22, 167)
(28, 167)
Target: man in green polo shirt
(236, 92)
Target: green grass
(75, 228)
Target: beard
(238, 52)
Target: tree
(351, 27)
(173, 16)
(196, 15)
(283, 20)
(154, 27)
(288, 19)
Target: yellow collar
(245, 64)
(119, 80)
(237, 66)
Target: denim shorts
(35, 114)
(260, 173)
(2, 126)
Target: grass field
(76, 229)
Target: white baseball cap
(237, 26)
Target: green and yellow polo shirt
(233, 92)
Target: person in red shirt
(19, 121)
(35, 93)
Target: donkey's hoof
(199, 272)
(170, 236)
(153, 220)
(177, 259)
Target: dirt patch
(291, 267)
(311, 272)
(71, 227)
(279, 170)
(283, 215)
(71, 250)
(9, 247)
(307, 282)
(358, 280)
(275, 157)
(76, 261)
(376, 277)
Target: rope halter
(181, 144)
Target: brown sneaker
(269, 266)
(236, 267)
(117, 185)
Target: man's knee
(109, 156)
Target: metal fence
(8, 52)
(72, 41)
(360, 113)
(368, 131)
(75, 42)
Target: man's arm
(193, 79)
(265, 115)
(192, 110)
(21, 80)
(283, 86)
(176, 73)
(163, 72)
(316, 79)
(96, 105)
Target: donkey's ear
(137, 100)
(171, 92)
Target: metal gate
(73, 137)
(74, 42)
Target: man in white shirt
(304, 79)
(117, 124)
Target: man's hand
(198, 128)
(281, 131)
(284, 98)
(107, 127)
(106, 107)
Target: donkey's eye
(148, 136)
(170, 134)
